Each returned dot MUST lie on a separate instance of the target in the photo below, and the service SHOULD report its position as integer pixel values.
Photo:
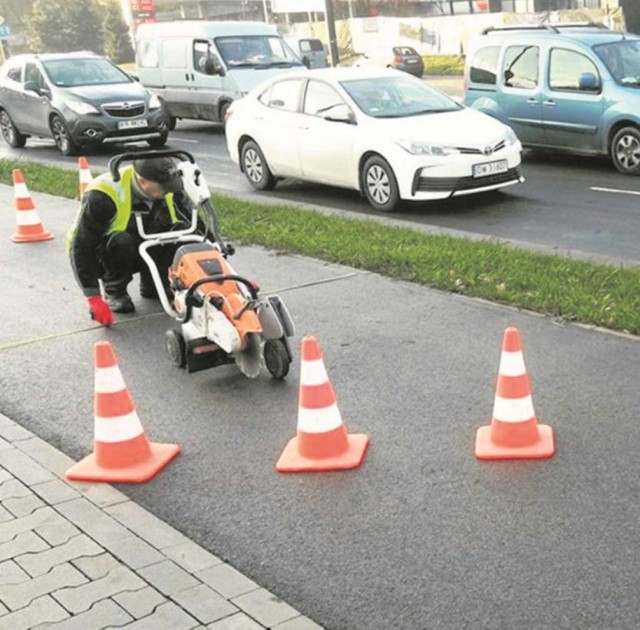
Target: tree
(117, 41)
(65, 25)
(14, 11)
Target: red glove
(100, 310)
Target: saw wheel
(249, 359)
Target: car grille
(125, 109)
(476, 151)
(456, 184)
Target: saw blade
(249, 359)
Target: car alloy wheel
(61, 136)
(9, 132)
(625, 151)
(380, 185)
(255, 167)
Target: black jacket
(97, 211)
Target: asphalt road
(567, 204)
(422, 535)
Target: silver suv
(81, 100)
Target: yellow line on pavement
(26, 342)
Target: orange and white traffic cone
(322, 442)
(514, 432)
(28, 226)
(84, 173)
(122, 452)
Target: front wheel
(255, 167)
(10, 132)
(176, 347)
(62, 137)
(625, 150)
(276, 358)
(379, 184)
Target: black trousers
(120, 260)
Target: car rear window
(484, 66)
(314, 45)
(404, 50)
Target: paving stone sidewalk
(83, 556)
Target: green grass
(558, 286)
(444, 64)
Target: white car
(387, 134)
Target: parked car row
(373, 128)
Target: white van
(310, 50)
(197, 68)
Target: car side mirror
(306, 62)
(588, 82)
(341, 113)
(212, 66)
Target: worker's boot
(118, 299)
(147, 286)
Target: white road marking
(615, 190)
(174, 138)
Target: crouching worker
(103, 242)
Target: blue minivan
(566, 87)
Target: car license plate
(132, 124)
(412, 61)
(489, 168)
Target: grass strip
(444, 64)
(575, 290)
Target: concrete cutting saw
(221, 315)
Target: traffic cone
(85, 174)
(122, 452)
(514, 432)
(322, 442)
(28, 226)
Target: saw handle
(221, 277)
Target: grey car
(80, 99)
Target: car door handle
(303, 127)
(533, 101)
(549, 103)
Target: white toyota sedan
(387, 134)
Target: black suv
(79, 99)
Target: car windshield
(623, 60)
(256, 51)
(87, 71)
(397, 97)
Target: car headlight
(415, 147)
(510, 137)
(154, 102)
(80, 107)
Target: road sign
(4, 32)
